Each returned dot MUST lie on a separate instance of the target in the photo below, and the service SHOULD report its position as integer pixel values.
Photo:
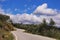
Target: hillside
(5, 28)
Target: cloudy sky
(31, 11)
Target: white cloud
(16, 9)
(5, 12)
(25, 18)
(30, 18)
(43, 9)
(8, 10)
(33, 19)
(2, 11)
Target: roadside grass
(6, 35)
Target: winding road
(20, 35)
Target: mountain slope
(5, 28)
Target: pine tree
(51, 22)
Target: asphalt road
(20, 35)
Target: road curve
(20, 35)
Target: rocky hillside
(5, 28)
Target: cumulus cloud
(33, 19)
(26, 18)
(43, 9)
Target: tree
(44, 22)
(51, 22)
(43, 26)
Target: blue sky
(28, 6)
(31, 11)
